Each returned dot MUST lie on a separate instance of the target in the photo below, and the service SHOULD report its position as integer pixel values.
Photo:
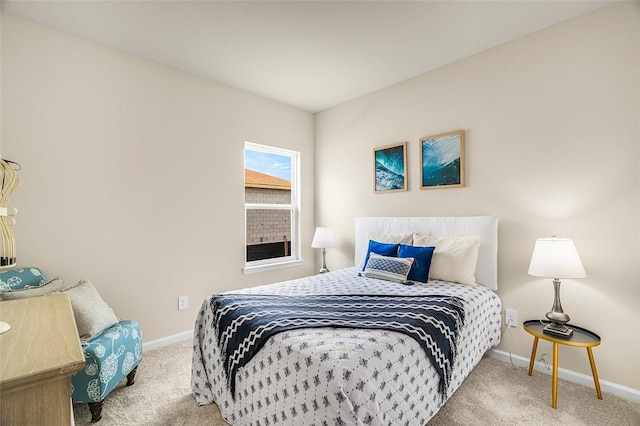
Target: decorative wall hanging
(442, 160)
(8, 181)
(390, 168)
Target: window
(271, 206)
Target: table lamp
(556, 258)
(323, 238)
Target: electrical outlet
(511, 317)
(183, 302)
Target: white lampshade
(323, 238)
(556, 258)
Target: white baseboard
(186, 335)
(569, 375)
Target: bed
(339, 373)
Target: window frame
(294, 257)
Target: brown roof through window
(253, 179)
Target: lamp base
(557, 330)
(324, 268)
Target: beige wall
(552, 148)
(133, 173)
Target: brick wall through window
(268, 226)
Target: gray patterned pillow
(394, 269)
(92, 314)
(53, 286)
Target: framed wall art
(390, 168)
(442, 160)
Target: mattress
(341, 376)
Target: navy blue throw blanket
(244, 322)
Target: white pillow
(454, 258)
(391, 238)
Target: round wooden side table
(581, 337)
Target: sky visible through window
(271, 164)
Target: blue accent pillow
(383, 249)
(422, 256)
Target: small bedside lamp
(323, 238)
(556, 258)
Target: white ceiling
(308, 54)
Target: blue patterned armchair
(110, 357)
(112, 353)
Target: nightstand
(581, 337)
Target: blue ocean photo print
(442, 163)
(390, 168)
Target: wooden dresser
(37, 357)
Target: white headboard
(486, 227)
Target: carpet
(495, 393)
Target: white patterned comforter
(338, 376)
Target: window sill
(271, 266)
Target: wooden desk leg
(554, 380)
(594, 372)
(533, 354)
